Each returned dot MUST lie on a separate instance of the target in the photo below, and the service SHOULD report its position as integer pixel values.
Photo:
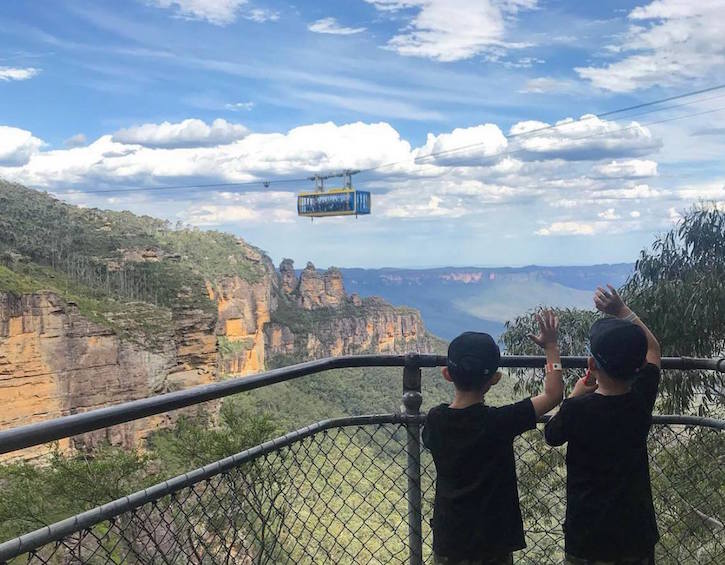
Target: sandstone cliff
(166, 309)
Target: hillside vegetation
(104, 261)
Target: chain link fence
(336, 492)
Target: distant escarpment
(100, 307)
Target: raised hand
(584, 386)
(609, 301)
(548, 329)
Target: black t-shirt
(476, 509)
(609, 511)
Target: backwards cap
(473, 358)
(619, 347)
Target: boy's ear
(492, 381)
(446, 374)
(591, 364)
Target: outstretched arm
(553, 382)
(611, 303)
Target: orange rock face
(54, 361)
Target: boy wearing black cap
(476, 515)
(610, 517)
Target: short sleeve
(647, 384)
(555, 431)
(428, 428)
(517, 418)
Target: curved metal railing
(354, 490)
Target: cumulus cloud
(713, 191)
(188, 133)
(668, 42)
(609, 214)
(630, 193)
(76, 140)
(17, 146)
(588, 138)
(331, 26)
(452, 30)
(155, 156)
(567, 228)
(629, 168)
(15, 73)
(450, 185)
(475, 145)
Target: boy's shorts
(503, 559)
(649, 560)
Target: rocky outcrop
(318, 319)
(55, 362)
(288, 278)
(312, 290)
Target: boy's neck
(612, 387)
(466, 398)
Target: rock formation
(54, 361)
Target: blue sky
(146, 93)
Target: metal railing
(357, 489)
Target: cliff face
(55, 361)
(316, 318)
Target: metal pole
(412, 399)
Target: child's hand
(609, 302)
(548, 330)
(581, 387)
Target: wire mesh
(339, 496)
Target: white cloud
(76, 140)
(634, 214)
(589, 138)
(451, 30)
(188, 133)
(707, 192)
(631, 193)
(669, 42)
(247, 207)
(459, 185)
(331, 26)
(630, 168)
(545, 85)
(260, 15)
(217, 12)
(14, 73)
(479, 143)
(567, 228)
(674, 215)
(239, 106)
(609, 214)
(17, 146)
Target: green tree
(677, 289)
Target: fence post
(412, 399)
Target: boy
(610, 518)
(476, 516)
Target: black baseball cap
(473, 358)
(619, 347)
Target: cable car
(333, 202)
